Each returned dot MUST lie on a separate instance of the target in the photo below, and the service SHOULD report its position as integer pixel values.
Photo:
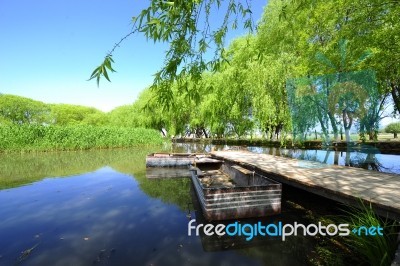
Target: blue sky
(49, 48)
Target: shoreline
(384, 147)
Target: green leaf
(234, 24)
(153, 21)
(343, 53)
(104, 71)
(107, 63)
(363, 57)
(94, 72)
(321, 58)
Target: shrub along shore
(30, 138)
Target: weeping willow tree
(335, 99)
(191, 30)
(250, 85)
(340, 96)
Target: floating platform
(177, 159)
(344, 184)
(228, 191)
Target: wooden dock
(344, 184)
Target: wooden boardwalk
(340, 183)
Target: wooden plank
(242, 170)
(166, 172)
(206, 160)
(344, 184)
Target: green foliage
(67, 114)
(78, 137)
(190, 30)
(124, 116)
(4, 121)
(21, 110)
(101, 71)
(393, 128)
(244, 88)
(375, 250)
(315, 32)
(144, 112)
(29, 125)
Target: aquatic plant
(77, 137)
(373, 249)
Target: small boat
(211, 243)
(177, 159)
(230, 191)
(169, 159)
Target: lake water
(98, 208)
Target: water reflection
(112, 215)
(20, 169)
(98, 208)
(370, 160)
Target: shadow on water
(98, 208)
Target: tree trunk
(370, 162)
(328, 152)
(278, 129)
(347, 122)
(347, 133)
(347, 162)
(336, 158)
(205, 133)
(372, 134)
(395, 135)
(324, 130)
(395, 95)
(334, 126)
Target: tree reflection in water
(367, 157)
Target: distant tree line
(20, 110)
(27, 125)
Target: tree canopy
(244, 88)
(21, 110)
(393, 128)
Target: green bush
(377, 249)
(78, 137)
(393, 128)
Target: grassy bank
(26, 138)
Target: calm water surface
(98, 208)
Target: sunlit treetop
(191, 30)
